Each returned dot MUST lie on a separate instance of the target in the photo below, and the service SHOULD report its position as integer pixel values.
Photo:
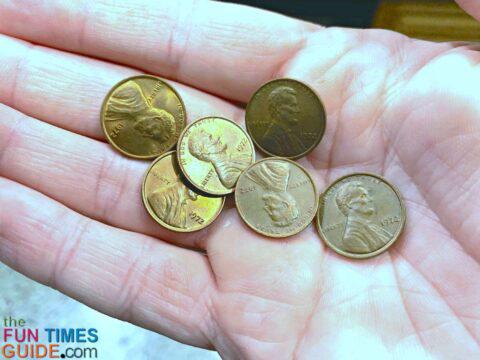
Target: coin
(276, 197)
(360, 215)
(143, 116)
(212, 152)
(171, 203)
(285, 118)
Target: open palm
(71, 213)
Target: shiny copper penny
(143, 116)
(360, 215)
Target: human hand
(71, 212)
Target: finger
(84, 174)
(471, 6)
(126, 275)
(68, 90)
(223, 48)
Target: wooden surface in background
(430, 20)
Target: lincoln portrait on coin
(170, 203)
(280, 205)
(227, 164)
(150, 122)
(361, 234)
(282, 135)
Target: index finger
(222, 48)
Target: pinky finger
(130, 276)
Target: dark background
(351, 13)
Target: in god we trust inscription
(360, 215)
(276, 197)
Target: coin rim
(103, 110)
(317, 141)
(378, 251)
(300, 229)
(182, 135)
(152, 213)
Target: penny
(285, 118)
(212, 152)
(360, 215)
(143, 116)
(172, 204)
(276, 197)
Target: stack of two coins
(211, 154)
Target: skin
(403, 108)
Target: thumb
(471, 6)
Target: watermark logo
(19, 341)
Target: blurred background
(43, 307)
(437, 20)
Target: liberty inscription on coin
(360, 215)
(172, 204)
(212, 152)
(143, 116)
(285, 118)
(276, 197)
